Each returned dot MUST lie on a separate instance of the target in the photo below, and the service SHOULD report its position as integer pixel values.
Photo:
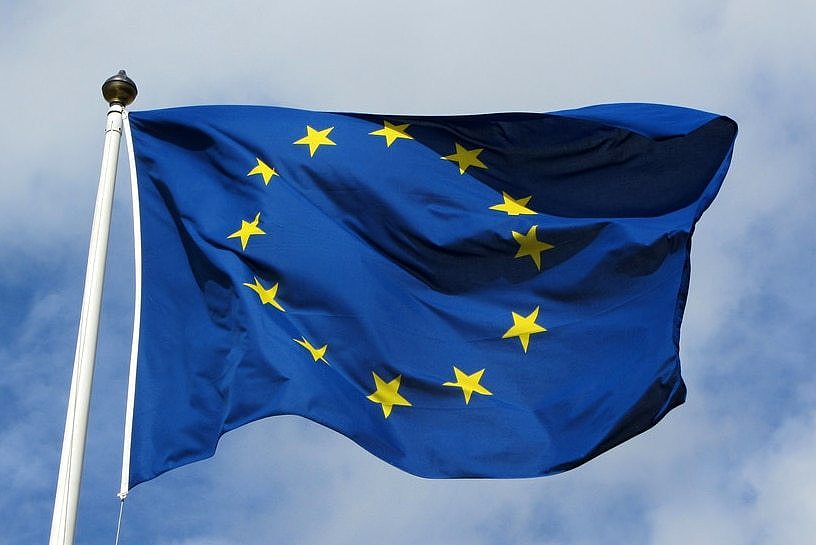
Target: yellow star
(530, 245)
(468, 383)
(264, 170)
(267, 296)
(392, 132)
(523, 327)
(314, 139)
(248, 228)
(387, 394)
(466, 158)
(317, 353)
(514, 207)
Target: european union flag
(469, 296)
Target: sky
(734, 465)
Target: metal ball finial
(119, 89)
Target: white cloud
(782, 475)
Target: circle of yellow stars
(386, 392)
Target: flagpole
(119, 91)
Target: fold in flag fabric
(492, 295)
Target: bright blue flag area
(470, 296)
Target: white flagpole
(119, 91)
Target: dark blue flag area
(472, 296)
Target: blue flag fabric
(490, 295)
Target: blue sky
(733, 465)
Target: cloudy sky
(734, 465)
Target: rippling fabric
(492, 295)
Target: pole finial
(119, 89)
